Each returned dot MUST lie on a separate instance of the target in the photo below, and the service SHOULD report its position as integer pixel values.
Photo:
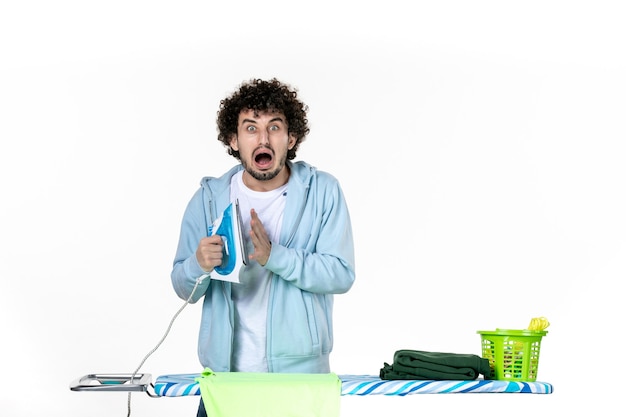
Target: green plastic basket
(513, 354)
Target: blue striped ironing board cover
(180, 385)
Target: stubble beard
(264, 175)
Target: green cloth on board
(250, 394)
(417, 364)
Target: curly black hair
(260, 95)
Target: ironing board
(179, 385)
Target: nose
(264, 137)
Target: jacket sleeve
(186, 269)
(321, 258)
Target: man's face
(262, 141)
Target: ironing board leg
(201, 409)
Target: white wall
(480, 146)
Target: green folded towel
(417, 364)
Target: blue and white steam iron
(229, 227)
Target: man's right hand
(209, 252)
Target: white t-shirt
(251, 295)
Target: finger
(257, 228)
(212, 240)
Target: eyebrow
(275, 119)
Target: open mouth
(263, 158)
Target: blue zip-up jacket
(313, 260)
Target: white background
(480, 146)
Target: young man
(298, 233)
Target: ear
(292, 141)
(233, 142)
